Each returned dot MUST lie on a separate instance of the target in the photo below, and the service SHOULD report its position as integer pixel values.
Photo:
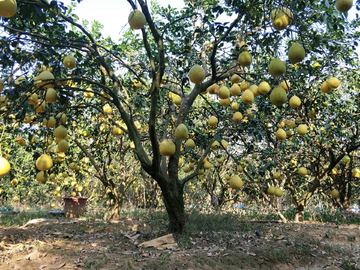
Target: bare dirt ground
(62, 243)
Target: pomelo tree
(131, 81)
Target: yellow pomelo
(186, 169)
(190, 143)
(117, 131)
(107, 109)
(264, 88)
(51, 122)
(167, 147)
(207, 165)
(343, 5)
(325, 88)
(255, 89)
(181, 132)
(213, 89)
(224, 92)
(237, 116)
(334, 194)
(271, 190)
(235, 90)
(281, 18)
(276, 175)
(316, 64)
(177, 100)
(51, 95)
(225, 102)
(302, 171)
(333, 82)
(63, 118)
(296, 53)
(236, 182)
(284, 10)
(278, 96)
(46, 79)
(235, 106)
(244, 85)
(239, 168)
(41, 177)
(4, 167)
(295, 102)
(247, 97)
(285, 85)
(235, 79)
(355, 173)
(215, 145)
(69, 61)
(196, 74)
(20, 80)
(8, 8)
(346, 159)
(301, 129)
(224, 143)
(63, 146)
(280, 134)
(89, 93)
(213, 121)
(40, 106)
(277, 67)
(290, 123)
(245, 59)
(104, 96)
(60, 132)
(136, 19)
(278, 192)
(33, 99)
(44, 163)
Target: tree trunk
(116, 202)
(115, 210)
(299, 216)
(176, 211)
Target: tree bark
(176, 211)
(116, 201)
(299, 215)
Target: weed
(351, 238)
(185, 242)
(89, 264)
(327, 234)
(346, 265)
(278, 255)
(247, 227)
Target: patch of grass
(197, 222)
(22, 217)
(347, 265)
(185, 242)
(278, 255)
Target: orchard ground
(216, 239)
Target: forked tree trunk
(115, 210)
(299, 215)
(116, 202)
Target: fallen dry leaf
(161, 243)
